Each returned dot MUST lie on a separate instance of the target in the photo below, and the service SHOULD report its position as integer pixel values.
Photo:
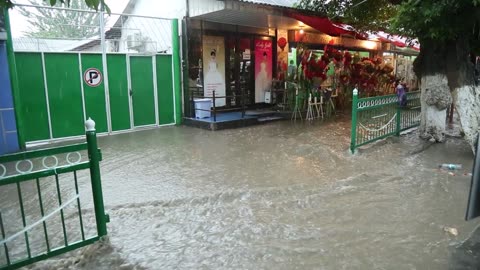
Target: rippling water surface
(278, 196)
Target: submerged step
(269, 118)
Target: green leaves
(363, 15)
(61, 24)
(6, 4)
(92, 4)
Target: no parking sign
(92, 77)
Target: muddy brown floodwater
(278, 196)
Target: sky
(20, 25)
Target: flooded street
(277, 196)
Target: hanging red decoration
(282, 42)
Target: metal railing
(375, 118)
(214, 110)
(32, 197)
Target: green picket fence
(40, 217)
(375, 118)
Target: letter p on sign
(92, 77)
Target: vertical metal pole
(47, 100)
(176, 73)
(214, 107)
(187, 99)
(354, 120)
(105, 68)
(155, 90)
(14, 81)
(473, 205)
(398, 120)
(80, 71)
(95, 158)
(130, 91)
(243, 101)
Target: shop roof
(279, 3)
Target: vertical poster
(282, 55)
(263, 68)
(214, 68)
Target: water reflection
(280, 196)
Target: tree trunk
(435, 99)
(460, 72)
(467, 104)
(430, 66)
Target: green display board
(118, 92)
(165, 89)
(94, 95)
(64, 94)
(32, 96)
(143, 98)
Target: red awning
(398, 41)
(324, 25)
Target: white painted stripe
(6, 109)
(46, 96)
(80, 67)
(103, 134)
(129, 84)
(378, 116)
(106, 85)
(74, 52)
(174, 96)
(145, 126)
(155, 89)
(10, 238)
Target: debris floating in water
(450, 167)
(450, 230)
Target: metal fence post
(214, 108)
(177, 84)
(398, 119)
(95, 158)
(354, 120)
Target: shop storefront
(231, 61)
(237, 54)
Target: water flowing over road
(278, 196)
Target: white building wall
(151, 35)
(200, 7)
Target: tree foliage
(364, 15)
(439, 20)
(92, 4)
(52, 23)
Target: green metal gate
(54, 98)
(375, 118)
(126, 76)
(41, 214)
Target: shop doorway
(240, 71)
(244, 74)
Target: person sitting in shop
(292, 70)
